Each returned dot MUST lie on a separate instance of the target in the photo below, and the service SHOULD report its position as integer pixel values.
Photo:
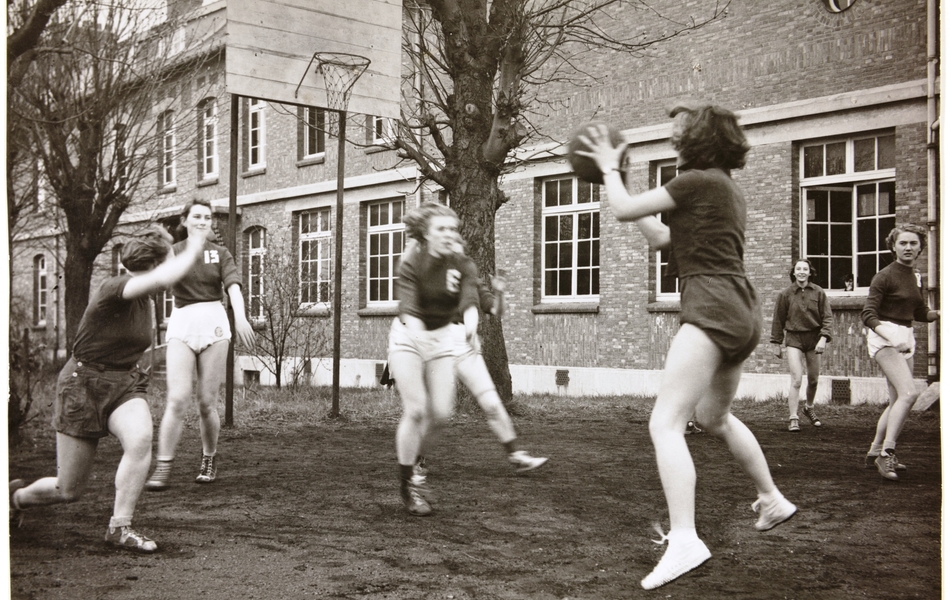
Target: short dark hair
(811, 268)
(417, 219)
(710, 138)
(907, 228)
(146, 251)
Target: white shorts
(876, 342)
(429, 345)
(199, 325)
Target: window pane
(550, 193)
(583, 192)
(821, 272)
(564, 282)
(583, 281)
(817, 205)
(814, 161)
(886, 203)
(595, 253)
(373, 215)
(840, 272)
(550, 283)
(667, 285)
(885, 152)
(583, 255)
(840, 240)
(867, 200)
(884, 228)
(864, 155)
(835, 159)
(565, 192)
(595, 282)
(566, 227)
(374, 268)
(667, 173)
(817, 240)
(867, 235)
(564, 257)
(840, 207)
(550, 256)
(550, 229)
(867, 268)
(584, 226)
(595, 225)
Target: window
(166, 136)
(208, 139)
(383, 131)
(315, 243)
(848, 208)
(570, 238)
(256, 138)
(384, 240)
(117, 267)
(667, 286)
(256, 250)
(311, 132)
(40, 290)
(168, 304)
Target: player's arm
(241, 325)
(166, 274)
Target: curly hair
(907, 228)
(146, 251)
(709, 137)
(417, 219)
(811, 269)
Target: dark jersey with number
(212, 274)
(895, 295)
(114, 331)
(436, 289)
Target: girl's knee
(68, 495)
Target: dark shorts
(726, 308)
(87, 396)
(803, 340)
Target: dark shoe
(160, 476)
(209, 469)
(415, 503)
(128, 538)
(809, 412)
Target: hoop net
(340, 72)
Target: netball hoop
(340, 72)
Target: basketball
(585, 167)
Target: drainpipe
(933, 165)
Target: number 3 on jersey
(452, 278)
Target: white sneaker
(773, 513)
(677, 560)
(522, 461)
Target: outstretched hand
(601, 149)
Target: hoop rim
(340, 59)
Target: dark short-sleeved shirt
(436, 289)
(213, 273)
(114, 331)
(707, 229)
(801, 309)
(895, 295)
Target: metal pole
(933, 191)
(232, 238)
(338, 263)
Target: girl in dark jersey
(719, 319)
(198, 335)
(802, 320)
(894, 302)
(101, 389)
(435, 285)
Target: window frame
(256, 254)
(167, 171)
(256, 143)
(848, 180)
(312, 127)
(208, 140)
(382, 131)
(40, 291)
(393, 229)
(575, 209)
(324, 243)
(659, 264)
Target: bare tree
(286, 329)
(480, 67)
(86, 109)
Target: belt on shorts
(101, 367)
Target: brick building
(834, 100)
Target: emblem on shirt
(211, 257)
(452, 277)
(920, 282)
(218, 332)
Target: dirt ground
(313, 512)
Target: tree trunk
(78, 281)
